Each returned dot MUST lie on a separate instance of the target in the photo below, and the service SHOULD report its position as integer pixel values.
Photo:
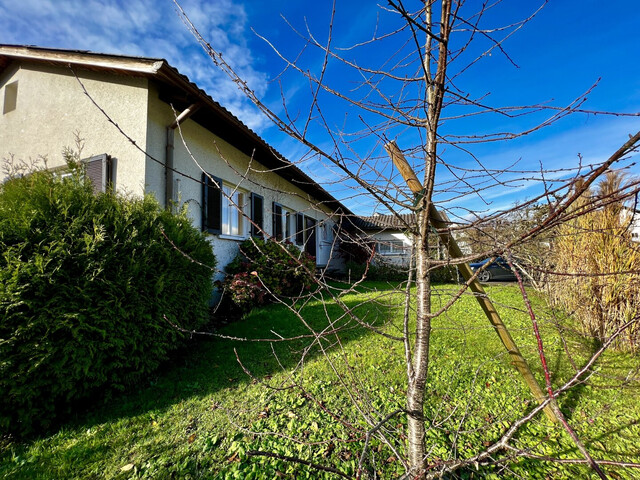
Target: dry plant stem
(547, 377)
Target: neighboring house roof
(401, 221)
(180, 92)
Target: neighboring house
(632, 215)
(248, 188)
(390, 235)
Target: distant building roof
(401, 221)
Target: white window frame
(235, 202)
(391, 247)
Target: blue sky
(559, 55)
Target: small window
(233, 206)
(281, 222)
(10, 97)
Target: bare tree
(412, 96)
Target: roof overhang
(180, 92)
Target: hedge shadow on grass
(209, 364)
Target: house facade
(147, 129)
(390, 235)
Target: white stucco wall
(399, 259)
(222, 160)
(51, 106)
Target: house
(148, 129)
(390, 234)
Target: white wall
(222, 160)
(51, 106)
(399, 259)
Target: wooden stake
(440, 224)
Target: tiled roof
(401, 221)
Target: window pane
(232, 221)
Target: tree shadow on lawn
(209, 364)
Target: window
(233, 205)
(306, 233)
(223, 207)
(10, 97)
(281, 222)
(257, 215)
(327, 232)
(391, 247)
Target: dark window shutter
(287, 226)
(257, 215)
(277, 221)
(211, 204)
(98, 171)
(299, 228)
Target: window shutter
(211, 204)
(98, 171)
(257, 215)
(276, 230)
(299, 228)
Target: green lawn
(199, 416)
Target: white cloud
(148, 28)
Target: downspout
(169, 169)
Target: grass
(202, 413)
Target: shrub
(85, 283)
(264, 269)
(591, 248)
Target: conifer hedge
(86, 282)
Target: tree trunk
(417, 383)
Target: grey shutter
(211, 204)
(257, 215)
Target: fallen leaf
(127, 467)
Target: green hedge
(85, 283)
